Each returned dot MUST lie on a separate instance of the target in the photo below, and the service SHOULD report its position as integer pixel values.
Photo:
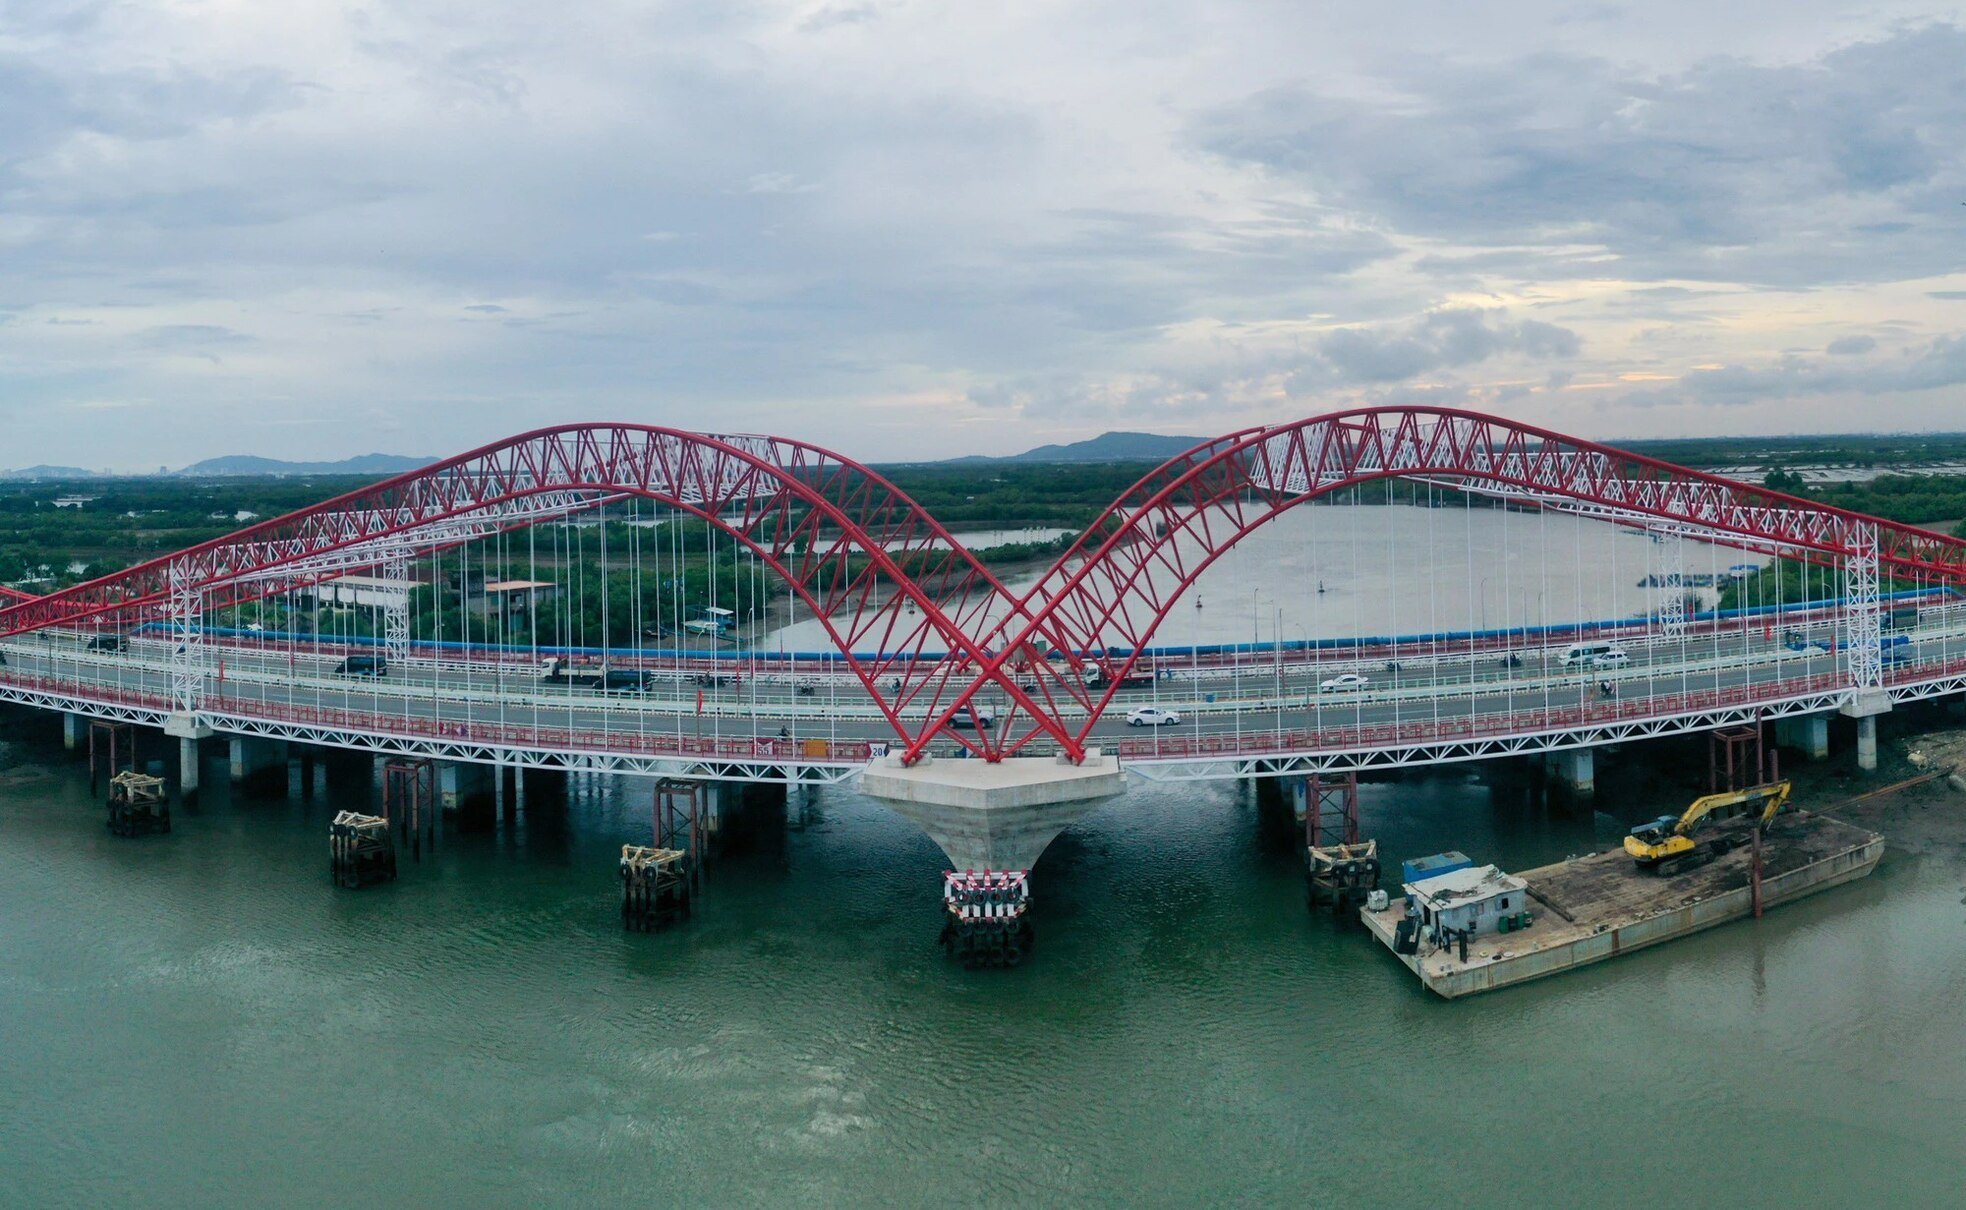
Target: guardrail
(814, 750)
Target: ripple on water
(483, 1029)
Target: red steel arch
(880, 573)
(1119, 582)
(873, 567)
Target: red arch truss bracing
(918, 620)
(1116, 586)
(897, 595)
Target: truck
(559, 672)
(1141, 677)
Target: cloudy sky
(911, 228)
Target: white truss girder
(1863, 615)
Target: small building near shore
(511, 602)
(373, 593)
(1472, 900)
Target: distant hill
(1106, 447)
(45, 471)
(245, 464)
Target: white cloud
(872, 224)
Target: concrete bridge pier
(74, 731)
(1867, 743)
(993, 820)
(1808, 733)
(1576, 770)
(458, 782)
(997, 816)
(187, 766)
(187, 730)
(254, 758)
(1865, 706)
(307, 769)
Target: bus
(1589, 653)
(712, 621)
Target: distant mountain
(1106, 447)
(245, 464)
(45, 471)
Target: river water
(1343, 571)
(201, 1020)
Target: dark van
(107, 642)
(371, 666)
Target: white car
(1350, 680)
(1610, 659)
(1151, 716)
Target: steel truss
(880, 574)
(1672, 618)
(1864, 620)
(1117, 584)
(790, 770)
(837, 533)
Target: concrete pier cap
(994, 815)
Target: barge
(1589, 909)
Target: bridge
(645, 600)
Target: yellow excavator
(1666, 845)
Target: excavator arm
(1667, 844)
(1773, 795)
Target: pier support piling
(1576, 769)
(1864, 706)
(300, 774)
(112, 750)
(188, 731)
(409, 803)
(458, 782)
(1338, 868)
(660, 882)
(74, 730)
(360, 850)
(1808, 733)
(1736, 758)
(988, 917)
(655, 887)
(1867, 743)
(137, 805)
(187, 766)
(253, 756)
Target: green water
(201, 1020)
